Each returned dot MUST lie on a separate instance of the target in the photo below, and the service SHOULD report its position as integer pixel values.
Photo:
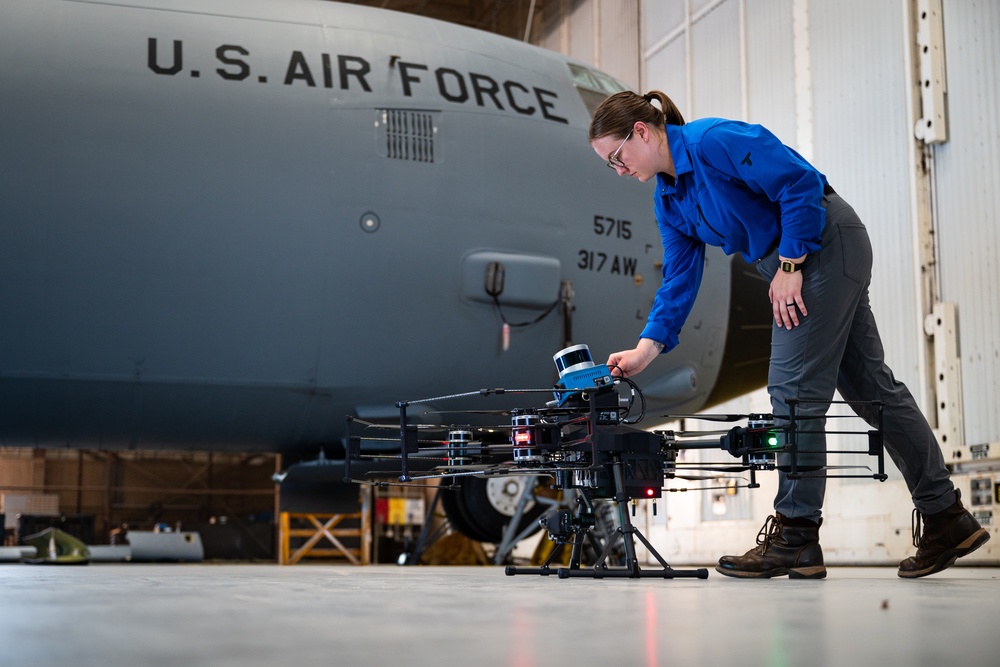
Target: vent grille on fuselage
(407, 135)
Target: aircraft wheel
(481, 508)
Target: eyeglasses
(613, 161)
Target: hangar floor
(237, 615)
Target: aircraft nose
(746, 356)
(732, 359)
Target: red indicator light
(650, 492)
(522, 438)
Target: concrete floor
(152, 615)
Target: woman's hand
(786, 299)
(631, 362)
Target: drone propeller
(709, 417)
(395, 425)
(543, 411)
(701, 478)
(497, 412)
(464, 467)
(697, 434)
(718, 468)
(474, 471)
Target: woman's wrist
(650, 347)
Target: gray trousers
(837, 346)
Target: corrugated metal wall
(583, 31)
(604, 33)
(862, 138)
(967, 169)
(618, 26)
(770, 84)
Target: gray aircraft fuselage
(229, 224)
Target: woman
(734, 185)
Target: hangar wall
(966, 170)
(835, 81)
(604, 33)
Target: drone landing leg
(544, 568)
(627, 532)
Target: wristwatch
(789, 267)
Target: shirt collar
(679, 154)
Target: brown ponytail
(617, 114)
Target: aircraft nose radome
(747, 351)
(742, 355)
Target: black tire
(471, 511)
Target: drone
(584, 438)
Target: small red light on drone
(522, 438)
(650, 493)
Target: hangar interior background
(895, 101)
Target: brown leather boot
(947, 536)
(784, 546)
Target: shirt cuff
(660, 334)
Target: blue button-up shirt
(739, 188)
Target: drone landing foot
(544, 571)
(632, 569)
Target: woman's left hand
(786, 299)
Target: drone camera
(559, 524)
(562, 524)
